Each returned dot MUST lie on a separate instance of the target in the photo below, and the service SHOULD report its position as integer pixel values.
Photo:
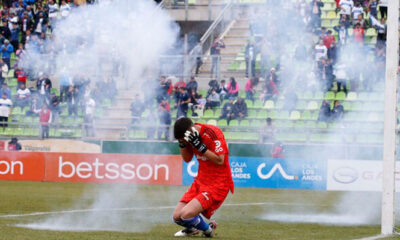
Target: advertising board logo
(276, 167)
(345, 175)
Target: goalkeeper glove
(194, 139)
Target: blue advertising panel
(270, 173)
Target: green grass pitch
(240, 221)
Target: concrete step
(239, 31)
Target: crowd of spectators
(28, 24)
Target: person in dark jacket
(14, 145)
(227, 110)
(324, 111)
(240, 109)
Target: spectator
(270, 91)
(15, 35)
(45, 117)
(4, 71)
(215, 52)
(5, 110)
(182, 103)
(22, 99)
(192, 85)
(53, 13)
(277, 150)
(218, 88)
(65, 82)
(6, 51)
(250, 88)
(316, 13)
(373, 8)
(341, 29)
(72, 100)
(240, 109)
(137, 109)
(180, 83)
(358, 34)
(346, 7)
(268, 132)
(198, 53)
(332, 53)
(321, 51)
(227, 110)
(26, 26)
(89, 115)
(325, 111)
(5, 31)
(233, 88)
(213, 100)
(14, 145)
(5, 90)
(325, 73)
(44, 86)
(329, 39)
(361, 21)
(337, 111)
(357, 10)
(250, 57)
(382, 31)
(64, 9)
(55, 107)
(383, 8)
(164, 116)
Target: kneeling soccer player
(213, 181)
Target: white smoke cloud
(110, 38)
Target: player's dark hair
(181, 126)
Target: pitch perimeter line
(372, 237)
(148, 208)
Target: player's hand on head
(193, 137)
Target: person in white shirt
(4, 71)
(346, 7)
(320, 50)
(357, 10)
(23, 97)
(53, 13)
(90, 106)
(5, 110)
(64, 9)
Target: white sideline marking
(372, 237)
(146, 208)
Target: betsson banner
(101, 168)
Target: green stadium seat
(222, 123)
(257, 104)
(371, 32)
(319, 95)
(250, 136)
(269, 104)
(299, 124)
(364, 96)
(301, 105)
(252, 113)
(310, 124)
(369, 138)
(201, 121)
(306, 115)
(249, 103)
(257, 123)
(244, 123)
(262, 114)
(329, 96)
(307, 95)
(295, 115)
(217, 112)
(273, 114)
(325, 138)
(283, 115)
(331, 15)
(341, 96)
(212, 122)
(322, 125)
(312, 105)
(208, 113)
(234, 123)
(279, 104)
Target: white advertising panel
(357, 175)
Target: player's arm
(217, 159)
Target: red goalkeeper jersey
(217, 177)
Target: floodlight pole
(389, 130)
